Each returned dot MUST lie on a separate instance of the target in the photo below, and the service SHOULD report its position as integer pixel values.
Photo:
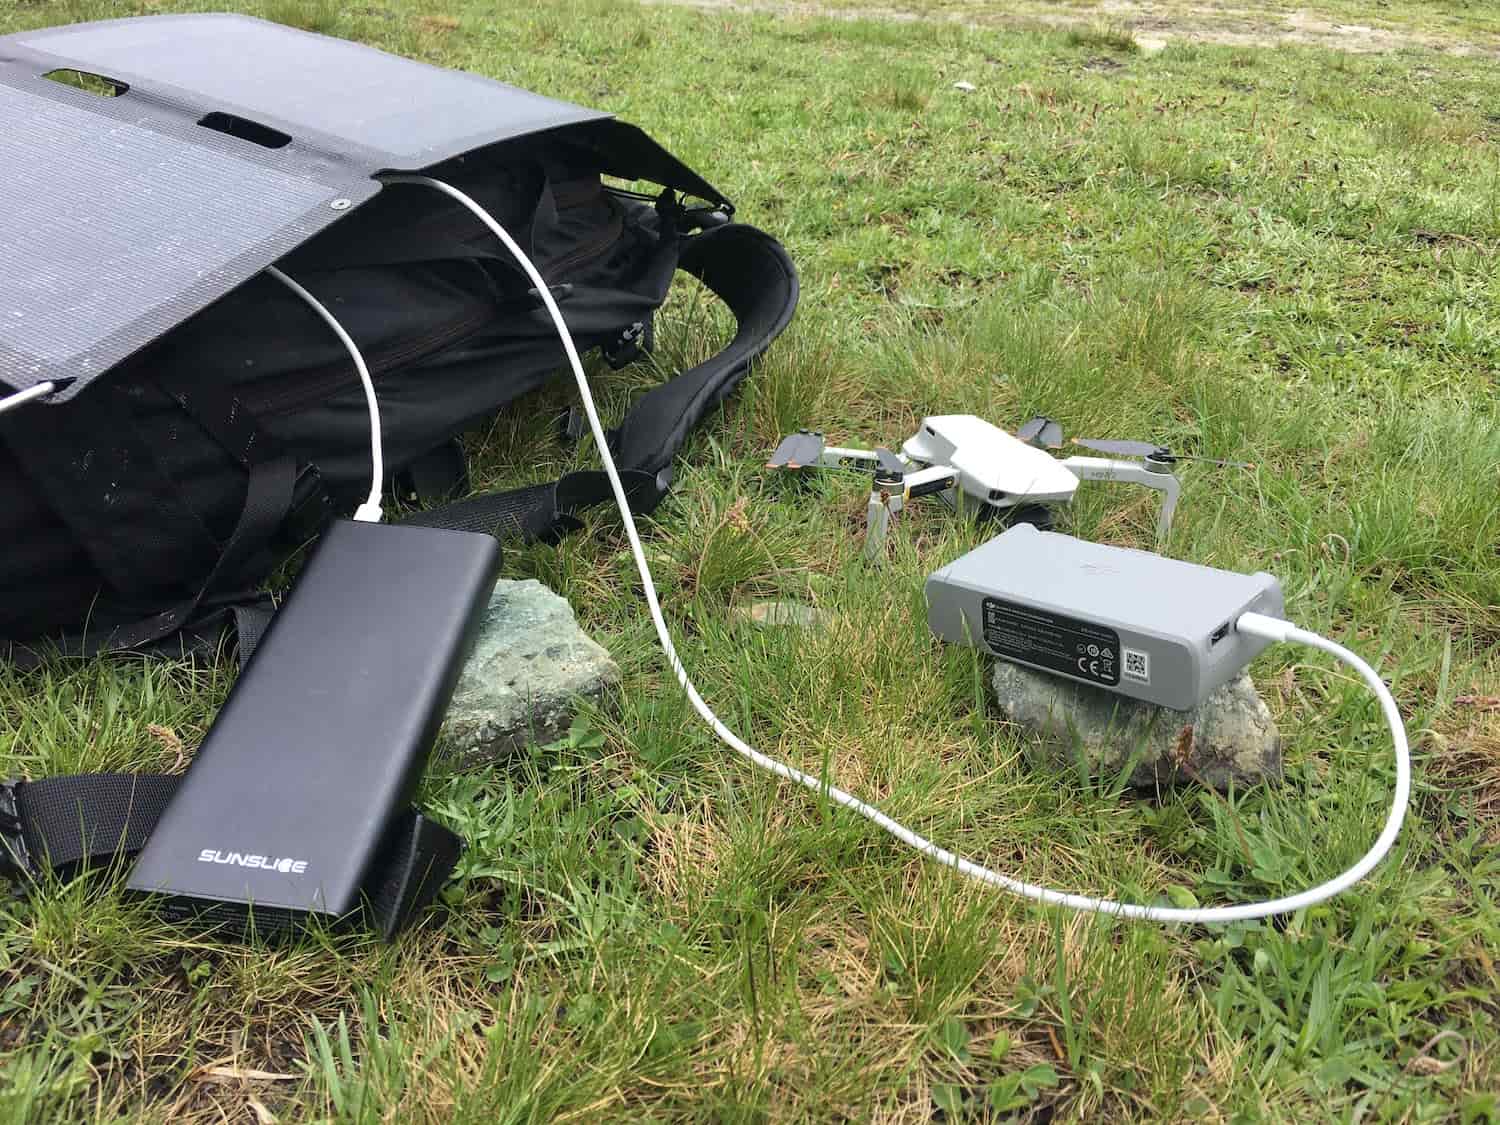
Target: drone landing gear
(895, 484)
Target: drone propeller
(888, 464)
(1153, 451)
(1041, 431)
(797, 451)
(1118, 448)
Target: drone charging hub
(1153, 628)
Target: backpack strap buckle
(630, 345)
(311, 508)
(16, 862)
(707, 218)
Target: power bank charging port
(1219, 634)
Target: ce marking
(1087, 667)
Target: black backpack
(147, 501)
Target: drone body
(961, 455)
(993, 467)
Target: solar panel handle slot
(244, 129)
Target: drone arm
(806, 449)
(934, 478)
(1132, 472)
(843, 457)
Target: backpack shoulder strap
(752, 274)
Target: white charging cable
(369, 511)
(1251, 623)
(30, 394)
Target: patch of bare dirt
(1251, 27)
(1154, 23)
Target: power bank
(313, 759)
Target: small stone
(1230, 736)
(530, 666)
(966, 86)
(771, 615)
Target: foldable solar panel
(230, 142)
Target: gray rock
(1229, 737)
(530, 666)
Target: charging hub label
(1052, 640)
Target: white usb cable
(30, 394)
(369, 511)
(1255, 624)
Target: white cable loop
(369, 511)
(1251, 623)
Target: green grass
(1285, 256)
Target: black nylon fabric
(412, 867)
(446, 326)
(70, 822)
(753, 275)
(268, 498)
(251, 620)
(123, 501)
(520, 513)
(436, 477)
(142, 537)
(541, 512)
(42, 557)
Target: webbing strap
(251, 620)
(66, 825)
(528, 513)
(268, 498)
(541, 512)
(224, 417)
(753, 275)
(69, 823)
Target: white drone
(960, 455)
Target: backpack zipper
(307, 388)
(594, 247)
(293, 392)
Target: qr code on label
(1137, 664)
